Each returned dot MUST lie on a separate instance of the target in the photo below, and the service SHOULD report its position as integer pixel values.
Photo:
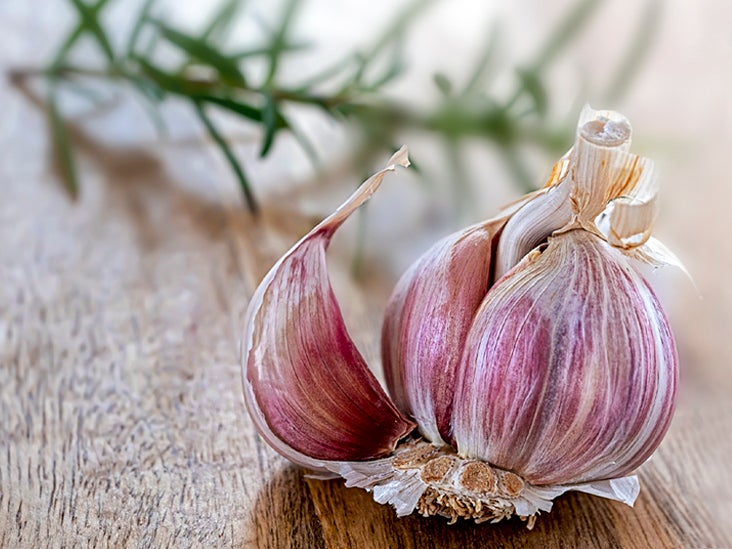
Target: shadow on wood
(350, 518)
(284, 515)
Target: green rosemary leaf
(225, 66)
(532, 85)
(266, 51)
(361, 62)
(65, 47)
(443, 83)
(93, 96)
(140, 20)
(395, 30)
(242, 109)
(487, 54)
(89, 16)
(392, 35)
(269, 120)
(279, 40)
(150, 96)
(323, 75)
(154, 115)
(396, 67)
(176, 83)
(164, 80)
(149, 89)
(305, 145)
(230, 158)
(221, 21)
(62, 145)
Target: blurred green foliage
(213, 78)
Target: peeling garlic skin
(570, 369)
(532, 225)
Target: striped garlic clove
(434, 303)
(427, 320)
(570, 371)
(307, 388)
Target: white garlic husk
(525, 355)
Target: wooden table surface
(121, 416)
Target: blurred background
(227, 117)
(307, 97)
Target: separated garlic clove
(426, 321)
(570, 370)
(307, 387)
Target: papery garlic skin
(306, 385)
(570, 369)
(531, 225)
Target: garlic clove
(306, 385)
(426, 322)
(569, 373)
(531, 225)
(433, 304)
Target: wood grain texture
(121, 417)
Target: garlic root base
(434, 480)
(460, 488)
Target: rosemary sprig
(231, 159)
(62, 145)
(353, 89)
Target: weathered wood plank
(121, 416)
(667, 514)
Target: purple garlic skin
(427, 318)
(570, 371)
(307, 387)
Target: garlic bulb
(569, 367)
(525, 356)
